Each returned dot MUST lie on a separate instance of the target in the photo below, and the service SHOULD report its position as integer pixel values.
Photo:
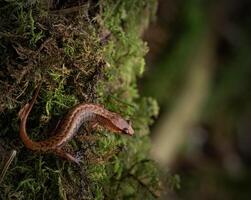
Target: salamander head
(122, 125)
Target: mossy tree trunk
(81, 52)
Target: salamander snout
(128, 128)
(128, 131)
(121, 125)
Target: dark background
(214, 162)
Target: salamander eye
(125, 130)
(129, 122)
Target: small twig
(144, 185)
(7, 164)
(69, 10)
(10, 35)
(23, 90)
(138, 162)
(129, 174)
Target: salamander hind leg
(66, 155)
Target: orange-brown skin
(69, 126)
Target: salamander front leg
(66, 155)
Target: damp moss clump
(89, 52)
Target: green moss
(68, 53)
(124, 57)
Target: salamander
(69, 126)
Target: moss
(79, 58)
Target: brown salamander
(70, 124)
